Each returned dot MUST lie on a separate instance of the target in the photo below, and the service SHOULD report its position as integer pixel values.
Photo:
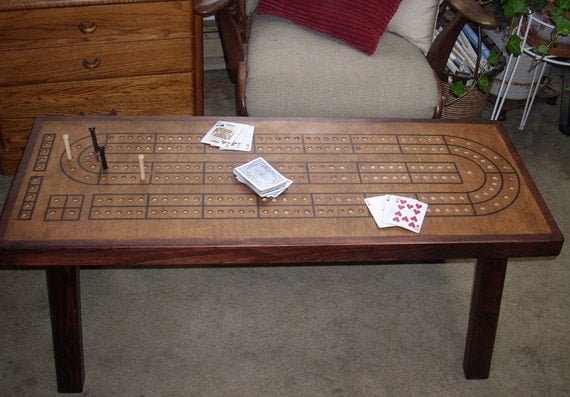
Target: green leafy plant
(557, 11)
(510, 12)
(482, 81)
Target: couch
(284, 66)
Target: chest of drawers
(95, 57)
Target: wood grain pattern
(122, 96)
(63, 64)
(191, 210)
(95, 57)
(10, 5)
(65, 313)
(118, 23)
(484, 316)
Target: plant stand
(546, 93)
(557, 57)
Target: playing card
(407, 213)
(391, 210)
(378, 207)
(278, 191)
(265, 180)
(242, 141)
(223, 133)
(262, 175)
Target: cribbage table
(190, 210)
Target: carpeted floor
(321, 331)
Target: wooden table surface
(191, 211)
(477, 189)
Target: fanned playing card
(230, 136)
(242, 141)
(379, 206)
(391, 210)
(222, 133)
(407, 213)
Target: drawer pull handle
(86, 27)
(91, 64)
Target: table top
(191, 209)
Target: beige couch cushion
(250, 6)
(332, 79)
(415, 21)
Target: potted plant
(555, 13)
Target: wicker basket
(467, 107)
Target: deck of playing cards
(230, 136)
(391, 210)
(262, 178)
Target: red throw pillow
(359, 23)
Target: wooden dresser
(95, 57)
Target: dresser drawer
(84, 62)
(62, 26)
(11, 135)
(9, 162)
(95, 57)
(147, 95)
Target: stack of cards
(400, 211)
(262, 178)
(230, 136)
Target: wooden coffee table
(191, 211)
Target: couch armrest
(467, 11)
(231, 21)
(206, 8)
(473, 11)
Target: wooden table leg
(65, 311)
(484, 317)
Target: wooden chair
(283, 69)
